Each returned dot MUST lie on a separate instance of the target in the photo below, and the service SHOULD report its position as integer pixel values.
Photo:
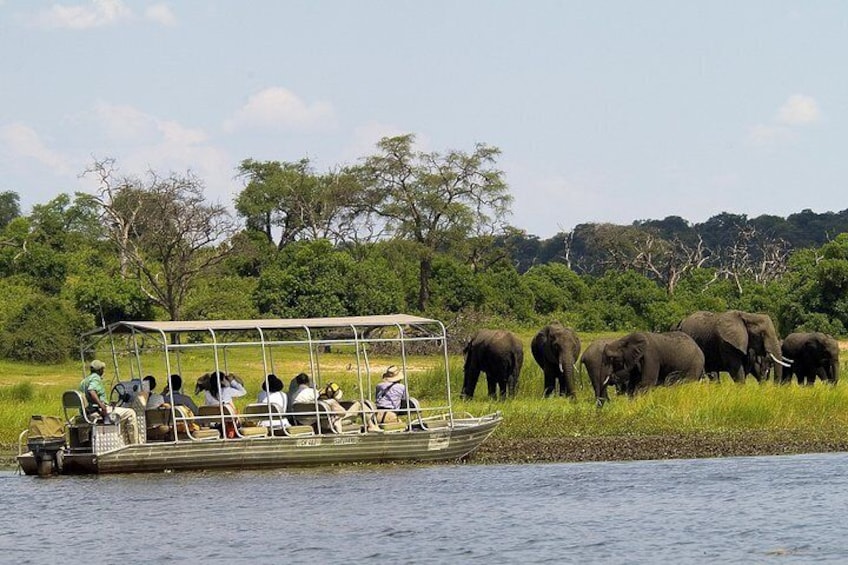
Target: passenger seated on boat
(230, 388)
(154, 399)
(173, 394)
(390, 395)
(301, 390)
(95, 394)
(331, 394)
(203, 381)
(273, 395)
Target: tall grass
(682, 408)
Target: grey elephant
(813, 354)
(593, 363)
(647, 359)
(556, 349)
(736, 342)
(499, 354)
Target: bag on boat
(45, 427)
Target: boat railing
(318, 417)
(22, 442)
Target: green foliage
(16, 292)
(630, 301)
(454, 286)
(372, 287)
(555, 287)
(311, 279)
(815, 290)
(507, 294)
(46, 330)
(222, 298)
(110, 298)
(10, 207)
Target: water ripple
(739, 510)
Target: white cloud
(799, 110)
(23, 141)
(161, 14)
(124, 123)
(97, 13)
(762, 135)
(141, 141)
(280, 108)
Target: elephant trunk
(834, 371)
(566, 369)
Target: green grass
(682, 408)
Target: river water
(789, 509)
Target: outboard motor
(46, 441)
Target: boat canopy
(168, 327)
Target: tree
(10, 207)
(311, 279)
(432, 199)
(297, 201)
(165, 232)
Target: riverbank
(629, 448)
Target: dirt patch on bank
(688, 446)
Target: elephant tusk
(787, 359)
(606, 381)
(779, 362)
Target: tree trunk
(424, 274)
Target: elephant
(591, 360)
(646, 359)
(499, 354)
(736, 342)
(556, 349)
(813, 354)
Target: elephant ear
(635, 350)
(733, 331)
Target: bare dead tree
(165, 232)
(668, 261)
(754, 256)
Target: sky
(605, 111)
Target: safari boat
(259, 435)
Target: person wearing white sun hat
(390, 394)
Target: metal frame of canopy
(409, 329)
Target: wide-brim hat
(393, 374)
(274, 383)
(97, 365)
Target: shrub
(44, 331)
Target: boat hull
(441, 444)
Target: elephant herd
(703, 344)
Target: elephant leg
(550, 380)
(492, 382)
(737, 373)
(511, 386)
